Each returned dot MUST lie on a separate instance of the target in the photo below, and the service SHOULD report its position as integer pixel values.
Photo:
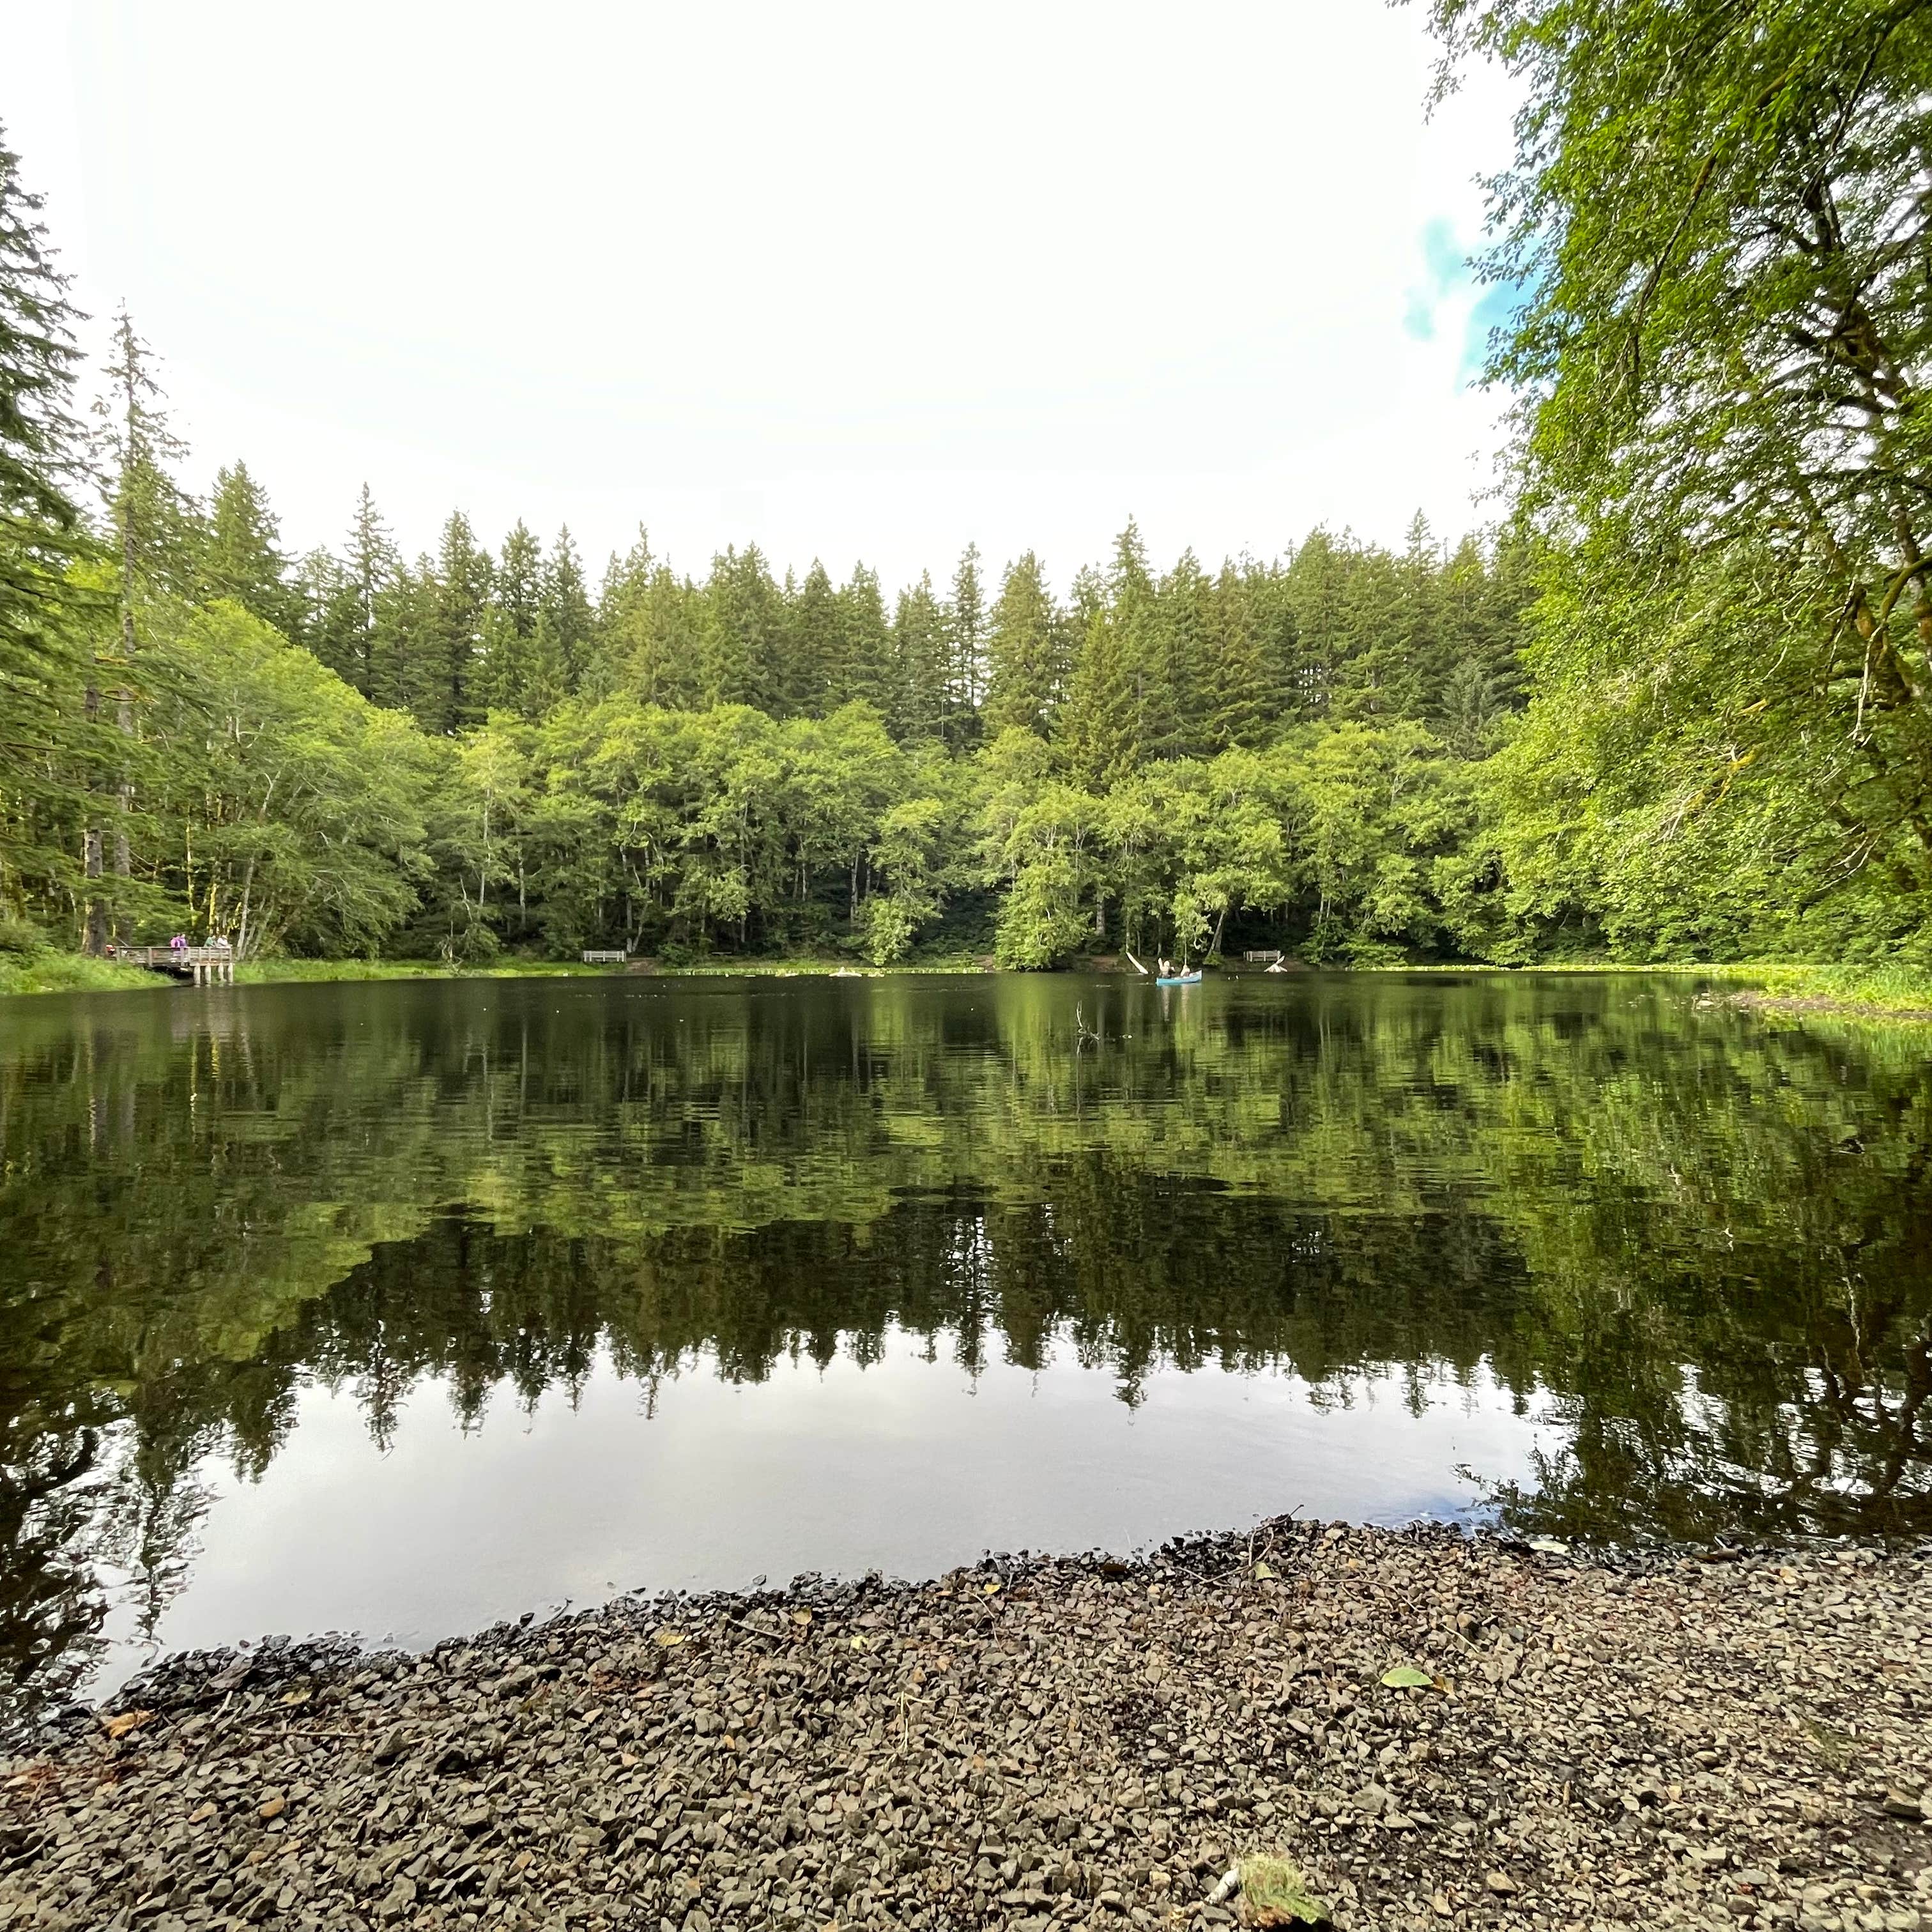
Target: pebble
(1640, 1741)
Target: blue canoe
(1193, 979)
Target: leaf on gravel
(1263, 1572)
(993, 1586)
(119, 1727)
(801, 1617)
(666, 1639)
(1406, 1677)
(858, 1643)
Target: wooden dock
(204, 965)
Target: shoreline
(1040, 1741)
(1883, 996)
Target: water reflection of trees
(1703, 1242)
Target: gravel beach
(1734, 1742)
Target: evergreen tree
(865, 670)
(41, 532)
(317, 589)
(157, 530)
(1422, 657)
(1027, 653)
(1313, 587)
(815, 666)
(966, 627)
(566, 624)
(1135, 648)
(1239, 706)
(918, 706)
(370, 565)
(1100, 725)
(1177, 708)
(157, 538)
(453, 647)
(509, 671)
(651, 627)
(408, 653)
(743, 658)
(241, 557)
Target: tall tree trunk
(123, 699)
(241, 931)
(95, 934)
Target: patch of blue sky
(1450, 277)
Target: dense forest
(1673, 707)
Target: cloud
(851, 282)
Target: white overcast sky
(848, 282)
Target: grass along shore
(1891, 992)
(1382, 1731)
(51, 972)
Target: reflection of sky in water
(1697, 1249)
(905, 1466)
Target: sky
(847, 282)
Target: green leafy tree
(1716, 228)
(305, 823)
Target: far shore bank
(1889, 994)
(1429, 1728)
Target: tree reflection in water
(1700, 1240)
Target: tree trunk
(94, 937)
(124, 702)
(241, 931)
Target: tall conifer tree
(241, 557)
(41, 453)
(370, 564)
(966, 633)
(157, 537)
(462, 576)
(510, 622)
(1026, 653)
(866, 654)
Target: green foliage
(304, 826)
(471, 755)
(1718, 225)
(41, 532)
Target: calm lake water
(403, 1308)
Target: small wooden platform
(204, 965)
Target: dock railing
(205, 965)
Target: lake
(402, 1308)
